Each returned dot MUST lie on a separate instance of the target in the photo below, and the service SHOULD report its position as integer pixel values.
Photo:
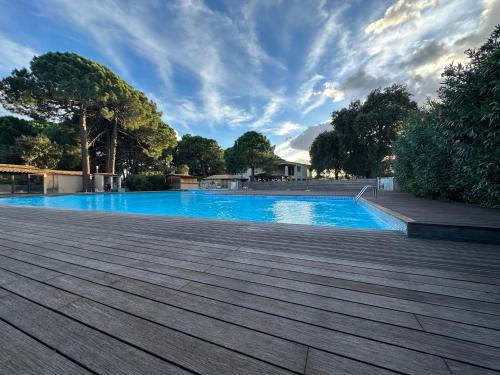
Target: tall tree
(126, 109)
(326, 154)
(147, 147)
(366, 131)
(253, 151)
(232, 161)
(203, 156)
(63, 86)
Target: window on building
(299, 169)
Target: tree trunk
(84, 141)
(113, 141)
(253, 173)
(336, 174)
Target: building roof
(16, 168)
(28, 169)
(281, 161)
(225, 177)
(180, 175)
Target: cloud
(286, 152)
(402, 11)
(199, 41)
(14, 55)
(310, 97)
(297, 148)
(270, 110)
(287, 128)
(303, 141)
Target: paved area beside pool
(99, 292)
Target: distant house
(178, 181)
(286, 170)
(26, 179)
(19, 179)
(223, 181)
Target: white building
(286, 170)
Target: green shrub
(455, 151)
(422, 155)
(145, 182)
(471, 99)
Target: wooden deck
(443, 220)
(90, 292)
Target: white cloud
(286, 128)
(324, 37)
(14, 55)
(198, 40)
(312, 99)
(286, 152)
(297, 148)
(398, 13)
(270, 110)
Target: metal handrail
(360, 194)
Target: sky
(280, 67)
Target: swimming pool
(312, 210)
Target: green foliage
(12, 128)
(361, 141)
(455, 152)
(423, 163)
(143, 182)
(63, 86)
(326, 154)
(63, 135)
(366, 131)
(107, 113)
(203, 156)
(251, 150)
(182, 169)
(146, 148)
(470, 95)
(232, 161)
(38, 151)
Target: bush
(141, 182)
(452, 150)
(471, 97)
(422, 155)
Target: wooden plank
(173, 346)
(457, 288)
(446, 296)
(328, 286)
(322, 363)
(91, 348)
(461, 331)
(371, 312)
(196, 355)
(21, 354)
(274, 350)
(458, 368)
(289, 328)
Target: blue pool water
(324, 210)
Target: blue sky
(220, 68)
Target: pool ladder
(360, 194)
